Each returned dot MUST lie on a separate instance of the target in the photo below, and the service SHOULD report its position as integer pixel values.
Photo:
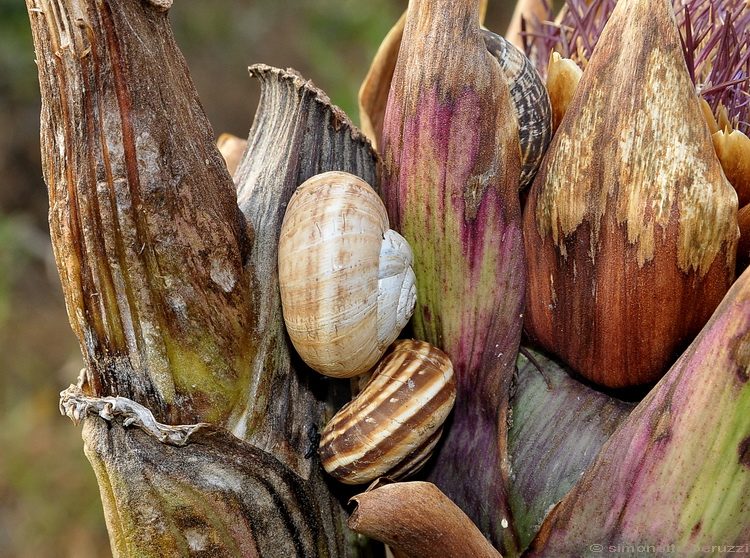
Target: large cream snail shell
(347, 286)
(392, 426)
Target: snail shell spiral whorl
(531, 101)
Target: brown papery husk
(418, 521)
(524, 10)
(231, 148)
(563, 76)
(630, 226)
(373, 93)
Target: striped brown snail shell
(392, 426)
(346, 281)
(531, 101)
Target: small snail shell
(347, 286)
(531, 101)
(392, 426)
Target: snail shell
(392, 426)
(531, 101)
(346, 281)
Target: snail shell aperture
(392, 426)
(346, 281)
(531, 101)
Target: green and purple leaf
(450, 182)
(677, 471)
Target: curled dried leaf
(418, 520)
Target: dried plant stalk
(173, 298)
(297, 134)
(148, 239)
(196, 490)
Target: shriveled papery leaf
(195, 490)
(148, 239)
(373, 93)
(558, 426)
(630, 225)
(525, 10)
(733, 149)
(451, 166)
(297, 133)
(677, 471)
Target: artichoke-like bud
(631, 226)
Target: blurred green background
(49, 501)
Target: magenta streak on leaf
(438, 163)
